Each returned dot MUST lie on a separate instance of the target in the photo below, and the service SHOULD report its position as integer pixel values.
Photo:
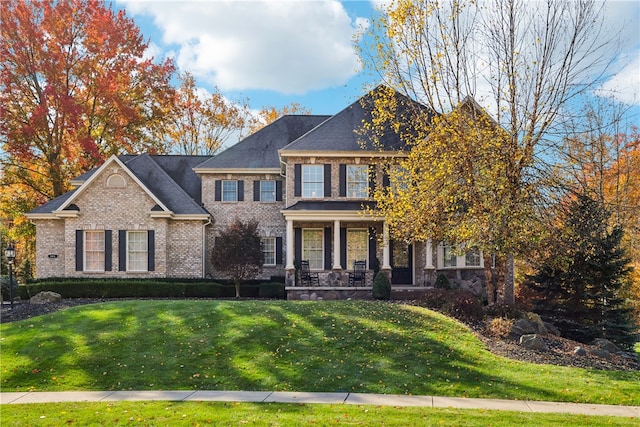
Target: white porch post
(336, 245)
(289, 265)
(385, 247)
(429, 254)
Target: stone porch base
(319, 293)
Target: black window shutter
(327, 248)
(278, 191)
(241, 191)
(343, 248)
(385, 179)
(151, 250)
(297, 243)
(297, 180)
(122, 250)
(108, 255)
(343, 180)
(256, 191)
(79, 250)
(278, 250)
(372, 180)
(327, 180)
(218, 190)
(372, 248)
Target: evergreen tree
(581, 280)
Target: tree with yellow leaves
(471, 180)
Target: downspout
(204, 246)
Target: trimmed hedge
(149, 288)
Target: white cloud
(625, 84)
(283, 45)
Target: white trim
(334, 153)
(93, 177)
(306, 215)
(250, 171)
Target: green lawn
(275, 414)
(353, 346)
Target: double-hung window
(312, 247)
(472, 258)
(357, 245)
(449, 256)
(229, 191)
(137, 251)
(269, 250)
(312, 181)
(94, 250)
(267, 191)
(357, 181)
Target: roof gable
(345, 132)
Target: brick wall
(178, 244)
(271, 223)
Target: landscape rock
(603, 354)
(533, 342)
(45, 297)
(523, 327)
(551, 328)
(605, 344)
(579, 351)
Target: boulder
(579, 351)
(45, 297)
(533, 342)
(604, 344)
(522, 327)
(603, 354)
(552, 329)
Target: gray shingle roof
(166, 183)
(170, 178)
(260, 150)
(344, 131)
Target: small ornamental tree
(238, 252)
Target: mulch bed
(560, 349)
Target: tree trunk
(237, 285)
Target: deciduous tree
(524, 61)
(75, 87)
(269, 115)
(199, 123)
(238, 252)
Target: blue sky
(275, 52)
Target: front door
(401, 263)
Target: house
(305, 178)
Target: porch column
(385, 247)
(429, 255)
(336, 245)
(290, 250)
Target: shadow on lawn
(255, 345)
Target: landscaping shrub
(500, 327)
(272, 290)
(461, 304)
(381, 287)
(435, 299)
(465, 306)
(442, 282)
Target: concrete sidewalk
(333, 398)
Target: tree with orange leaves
(75, 88)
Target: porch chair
(358, 275)
(307, 277)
